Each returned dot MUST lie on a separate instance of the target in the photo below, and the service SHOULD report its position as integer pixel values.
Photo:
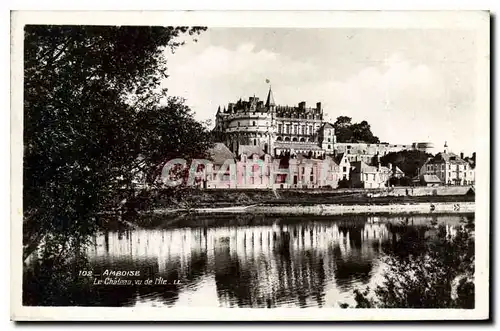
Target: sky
(410, 85)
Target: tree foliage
(409, 161)
(348, 132)
(403, 181)
(426, 272)
(93, 105)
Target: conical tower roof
(270, 98)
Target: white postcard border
(476, 20)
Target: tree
(353, 132)
(431, 273)
(362, 132)
(403, 181)
(342, 122)
(409, 161)
(91, 108)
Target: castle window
(253, 123)
(329, 146)
(329, 141)
(255, 141)
(310, 129)
(280, 128)
(238, 124)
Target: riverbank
(227, 199)
(178, 205)
(329, 209)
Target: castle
(291, 130)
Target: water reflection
(313, 263)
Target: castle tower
(271, 107)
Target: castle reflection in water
(313, 263)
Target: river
(271, 261)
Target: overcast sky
(410, 85)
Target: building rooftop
(328, 126)
(447, 157)
(250, 150)
(430, 179)
(360, 166)
(338, 157)
(220, 153)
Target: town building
(312, 173)
(367, 176)
(253, 168)
(217, 173)
(344, 165)
(450, 168)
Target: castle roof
(270, 99)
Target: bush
(439, 274)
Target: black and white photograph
(335, 164)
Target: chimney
(318, 105)
(302, 105)
(462, 155)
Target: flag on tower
(267, 81)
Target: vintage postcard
(277, 166)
